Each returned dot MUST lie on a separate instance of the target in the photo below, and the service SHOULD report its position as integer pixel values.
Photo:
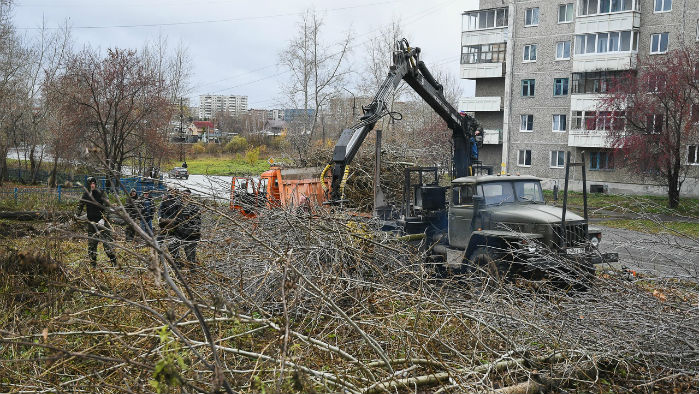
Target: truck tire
(489, 263)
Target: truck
(498, 224)
(278, 187)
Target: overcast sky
(234, 45)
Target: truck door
(460, 215)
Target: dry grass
(291, 303)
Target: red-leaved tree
(114, 103)
(660, 109)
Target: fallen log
(34, 215)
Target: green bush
(198, 148)
(237, 144)
(212, 148)
(252, 155)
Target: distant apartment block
(541, 67)
(212, 104)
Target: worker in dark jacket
(132, 209)
(147, 210)
(169, 208)
(98, 228)
(188, 229)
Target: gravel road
(657, 254)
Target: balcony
(585, 102)
(604, 61)
(617, 21)
(482, 70)
(589, 139)
(488, 36)
(480, 104)
(493, 137)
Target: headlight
(595, 241)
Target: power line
(238, 19)
(417, 16)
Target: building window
(659, 43)
(561, 86)
(524, 158)
(693, 154)
(484, 19)
(486, 53)
(558, 122)
(662, 5)
(616, 41)
(532, 16)
(528, 87)
(566, 13)
(563, 50)
(594, 82)
(592, 7)
(530, 53)
(581, 120)
(603, 120)
(655, 123)
(556, 159)
(526, 122)
(602, 161)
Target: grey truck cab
(502, 223)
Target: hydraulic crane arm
(406, 66)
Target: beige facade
(211, 104)
(526, 55)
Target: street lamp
(353, 101)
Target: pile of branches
(294, 302)
(360, 181)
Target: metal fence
(50, 196)
(41, 195)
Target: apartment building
(541, 67)
(211, 104)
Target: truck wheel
(487, 262)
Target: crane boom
(408, 67)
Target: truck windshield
(497, 193)
(528, 191)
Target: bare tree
(46, 53)
(317, 75)
(114, 103)
(12, 58)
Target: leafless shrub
(294, 302)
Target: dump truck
(299, 188)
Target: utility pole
(182, 136)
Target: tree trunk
(32, 166)
(3, 169)
(52, 175)
(673, 192)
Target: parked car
(179, 173)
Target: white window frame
(566, 13)
(596, 38)
(525, 121)
(534, 13)
(530, 50)
(554, 155)
(522, 154)
(560, 121)
(663, 5)
(563, 47)
(651, 43)
(691, 163)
